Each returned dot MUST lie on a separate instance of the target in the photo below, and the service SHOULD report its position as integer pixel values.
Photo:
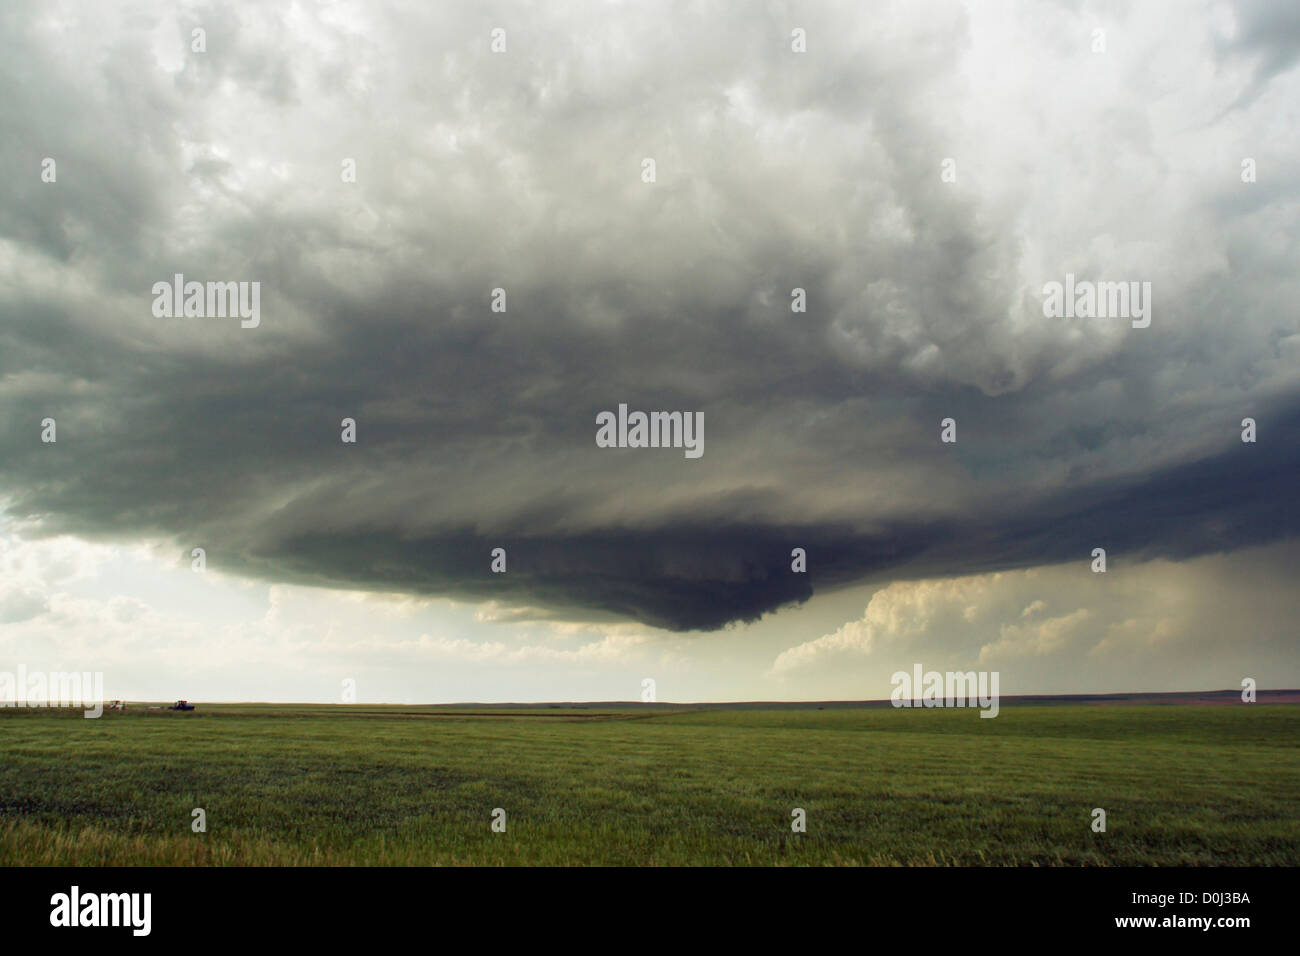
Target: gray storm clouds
(775, 170)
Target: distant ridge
(1208, 698)
(1184, 698)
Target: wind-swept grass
(390, 785)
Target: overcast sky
(921, 170)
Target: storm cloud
(523, 171)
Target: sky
(843, 243)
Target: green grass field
(414, 786)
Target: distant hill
(1208, 698)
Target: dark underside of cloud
(707, 571)
(710, 573)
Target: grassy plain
(280, 784)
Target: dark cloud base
(710, 574)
